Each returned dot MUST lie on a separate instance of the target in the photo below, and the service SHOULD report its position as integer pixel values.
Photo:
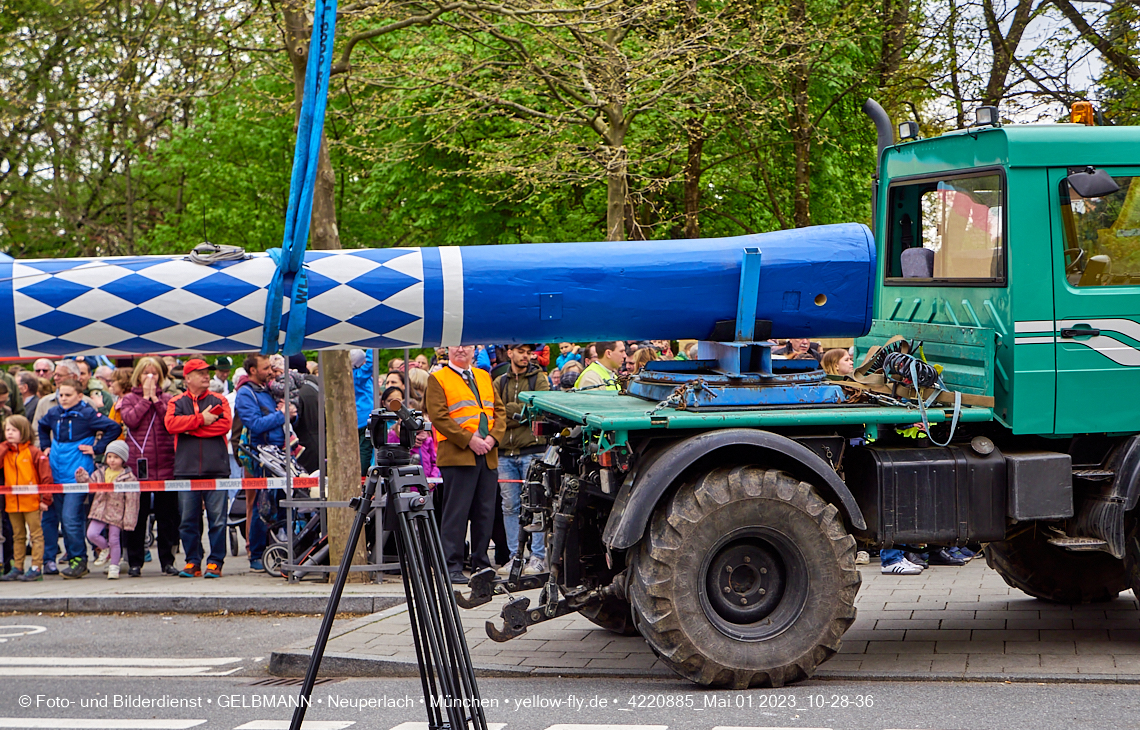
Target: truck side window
(1102, 235)
(948, 230)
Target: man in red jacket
(200, 421)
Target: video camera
(381, 422)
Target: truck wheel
(1030, 564)
(1132, 550)
(612, 614)
(746, 579)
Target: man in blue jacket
(265, 419)
(67, 436)
(365, 401)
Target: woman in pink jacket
(151, 459)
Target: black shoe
(169, 570)
(134, 572)
(76, 568)
(917, 559)
(459, 578)
(942, 557)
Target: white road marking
(306, 725)
(14, 630)
(67, 723)
(112, 672)
(608, 727)
(117, 666)
(51, 661)
(750, 727)
(424, 726)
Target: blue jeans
(74, 518)
(190, 504)
(71, 511)
(49, 523)
(515, 467)
(890, 557)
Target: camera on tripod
(381, 422)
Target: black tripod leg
(362, 510)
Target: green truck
(725, 532)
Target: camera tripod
(451, 694)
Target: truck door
(1096, 273)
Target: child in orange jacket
(24, 465)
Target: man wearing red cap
(200, 421)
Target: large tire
(746, 579)
(1030, 564)
(1132, 550)
(612, 614)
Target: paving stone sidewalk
(239, 590)
(948, 623)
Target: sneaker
(13, 574)
(535, 565)
(190, 571)
(113, 572)
(505, 568)
(902, 566)
(918, 559)
(50, 568)
(458, 579)
(101, 557)
(964, 553)
(169, 570)
(256, 565)
(33, 574)
(942, 556)
(76, 568)
(134, 572)
(146, 557)
(862, 558)
(213, 570)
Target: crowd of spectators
(153, 419)
(159, 418)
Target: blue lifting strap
(310, 127)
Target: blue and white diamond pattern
(128, 305)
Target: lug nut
(762, 591)
(728, 568)
(763, 571)
(743, 601)
(727, 589)
(747, 559)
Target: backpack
(503, 383)
(242, 441)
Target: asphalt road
(166, 673)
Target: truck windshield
(1102, 235)
(948, 230)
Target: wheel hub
(746, 581)
(755, 584)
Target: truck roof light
(1083, 113)
(986, 116)
(908, 130)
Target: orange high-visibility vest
(462, 406)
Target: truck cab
(715, 506)
(997, 238)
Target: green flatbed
(609, 411)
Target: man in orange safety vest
(469, 421)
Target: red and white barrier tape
(172, 485)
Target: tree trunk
(693, 178)
(801, 126)
(617, 189)
(342, 447)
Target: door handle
(1069, 332)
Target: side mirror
(1092, 183)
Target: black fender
(1125, 461)
(638, 496)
